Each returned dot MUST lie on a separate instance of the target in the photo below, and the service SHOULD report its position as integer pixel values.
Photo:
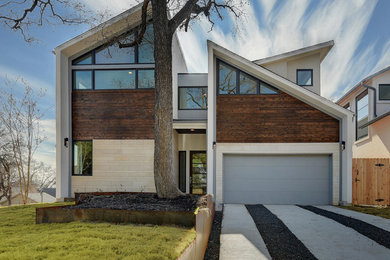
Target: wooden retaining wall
(371, 181)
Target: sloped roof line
(101, 25)
(363, 81)
(300, 93)
(289, 54)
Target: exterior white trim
(279, 149)
(189, 125)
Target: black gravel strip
(212, 250)
(280, 241)
(141, 201)
(379, 235)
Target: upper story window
(305, 77)
(111, 67)
(193, 98)
(361, 115)
(233, 81)
(384, 91)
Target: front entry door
(198, 172)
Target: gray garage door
(284, 179)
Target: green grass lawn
(21, 238)
(381, 212)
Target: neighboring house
(369, 100)
(33, 197)
(247, 132)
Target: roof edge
(319, 46)
(362, 81)
(300, 93)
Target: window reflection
(192, 98)
(82, 79)
(115, 79)
(145, 78)
(146, 48)
(82, 158)
(248, 85)
(227, 79)
(114, 54)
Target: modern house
(370, 101)
(246, 131)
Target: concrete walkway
(327, 239)
(380, 222)
(240, 238)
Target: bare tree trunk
(165, 182)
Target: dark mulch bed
(280, 241)
(212, 250)
(375, 233)
(141, 201)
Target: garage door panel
(276, 179)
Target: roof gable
(285, 85)
(322, 48)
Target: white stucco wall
(288, 69)
(377, 145)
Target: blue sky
(360, 29)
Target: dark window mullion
(136, 48)
(237, 82)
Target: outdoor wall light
(66, 142)
(343, 145)
(214, 145)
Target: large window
(82, 158)
(232, 81)
(192, 98)
(384, 91)
(305, 77)
(361, 115)
(105, 67)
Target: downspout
(373, 89)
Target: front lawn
(21, 238)
(380, 212)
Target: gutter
(374, 90)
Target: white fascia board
(111, 27)
(190, 125)
(283, 84)
(323, 48)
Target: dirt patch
(212, 250)
(141, 201)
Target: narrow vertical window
(82, 158)
(361, 115)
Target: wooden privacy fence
(371, 181)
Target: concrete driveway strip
(240, 238)
(327, 239)
(380, 222)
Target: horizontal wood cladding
(113, 114)
(272, 119)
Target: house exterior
(369, 100)
(246, 131)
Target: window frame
(108, 89)
(93, 53)
(379, 92)
(311, 75)
(357, 98)
(238, 74)
(73, 143)
(178, 98)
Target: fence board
(371, 182)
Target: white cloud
(295, 24)
(113, 7)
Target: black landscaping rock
(212, 250)
(141, 201)
(280, 241)
(375, 233)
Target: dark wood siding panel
(272, 119)
(122, 114)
